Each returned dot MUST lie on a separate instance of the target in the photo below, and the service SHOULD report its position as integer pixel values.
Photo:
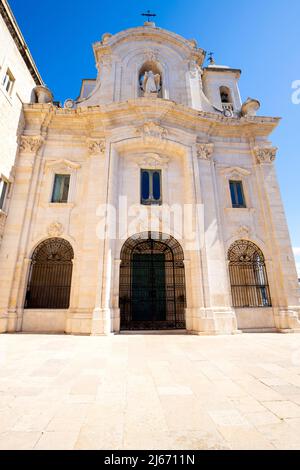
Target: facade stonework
(187, 125)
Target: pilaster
(286, 298)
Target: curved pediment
(144, 34)
(63, 164)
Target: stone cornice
(120, 114)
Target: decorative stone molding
(31, 144)
(153, 130)
(152, 161)
(265, 154)
(63, 164)
(151, 56)
(205, 151)
(96, 146)
(105, 61)
(244, 231)
(69, 104)
(55, 229)
(235, 171)
(105, 37)
(194, 68)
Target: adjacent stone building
(18, 78)
(150, 202)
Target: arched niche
(157, 77)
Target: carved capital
(96, 146)
(205, 151)
(152, 130)
(31, 144)
(55, 229)
(265, 154)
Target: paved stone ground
(150, 392)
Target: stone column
(217, 315)
(285, 295)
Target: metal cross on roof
(211, 58)
(149, 15)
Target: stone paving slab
(150, 392)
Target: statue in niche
(151, 83)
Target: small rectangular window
(8, 82)
(237, 194)
(151, 187)
(3, 192)
(61, 188)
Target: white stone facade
(16, 61)
(102, 141)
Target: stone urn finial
(250, 107)
(43, 94)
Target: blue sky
(259, 36)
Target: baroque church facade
(149, 203)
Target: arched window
(50, 276)
(150, 80)
(248, 275)
(225, 95)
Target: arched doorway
(152, 283)
(49, 283)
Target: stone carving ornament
(205, 151)
(265, 154)
(55, 229)
(96, 146)
(31, 144)
(243, 231)
(153, 160)
(150, 129)
(151, 56)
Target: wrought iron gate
(152, 284)
(248, 276)
(50, 275)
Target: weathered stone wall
(11, 117)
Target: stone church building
(148, 203)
